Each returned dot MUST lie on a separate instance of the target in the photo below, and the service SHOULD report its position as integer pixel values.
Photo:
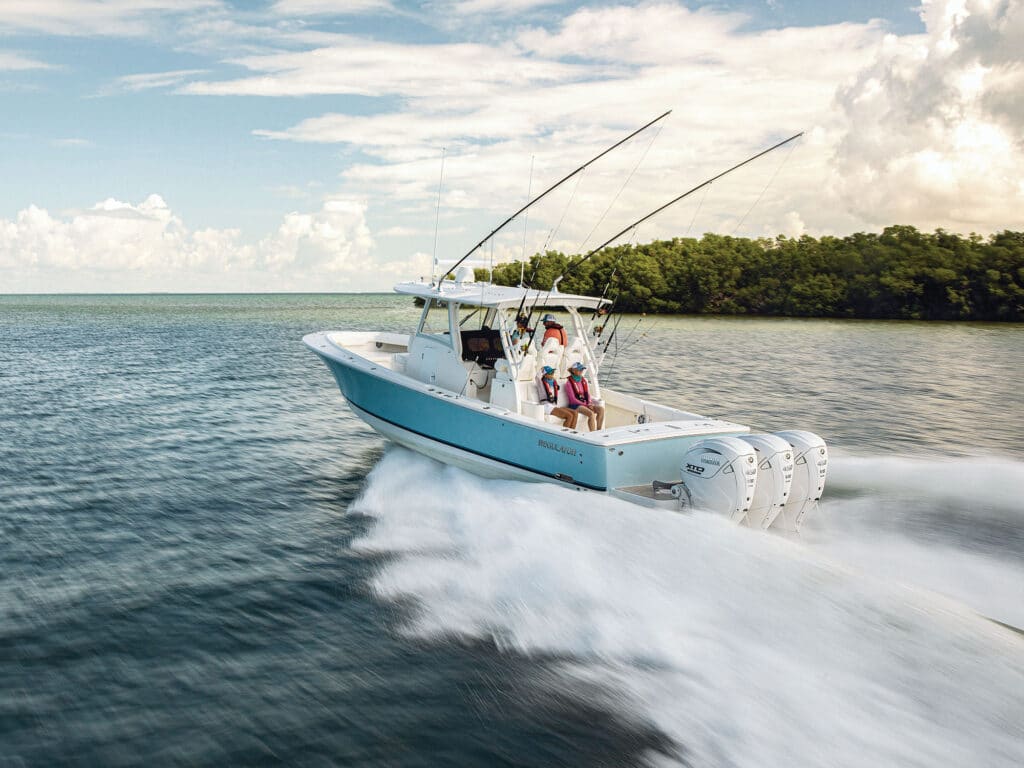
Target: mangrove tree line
(901, 273)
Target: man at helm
(552, 330)
(523, 333)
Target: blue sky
(295, 144)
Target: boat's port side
(686, 462)
(633, 419)
(450, 419)
(476, 363)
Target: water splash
(745, 649)
(955, 526)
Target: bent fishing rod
(555, 186)
(675, 200)
(655, 212)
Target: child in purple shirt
(577, 392)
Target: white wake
(744, 648)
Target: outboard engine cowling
(719, 475)
(774, 478)
(810, 465)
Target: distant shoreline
(398, 298)
(899, 274)
(203, 293)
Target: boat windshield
(435, 321)
(475, 318)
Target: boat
(463, 388)
(459, 390)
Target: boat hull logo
(567, 450)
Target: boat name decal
(556, 447)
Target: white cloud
(329, 7)
(334, 239)
(400, 231)
(116, 246)
(924, 129)
(91, 17)
(938, 116)
(495, 106)
(498, 7)
(656, 33)
(934, 127)
(145, 81)
(357, 66)
(11, 61)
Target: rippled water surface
(206, 560)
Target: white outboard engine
(810, 464)
(774, 478)
(719, 475)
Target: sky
(338, 145)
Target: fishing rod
(630, 340)
(554, 186)
(611, 277)
(615, 329)
(522, 302)
(675, 200)
(572, 266)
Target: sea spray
(952, 525)
(744, 648)
(982, 484)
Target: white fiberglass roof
(499, 296)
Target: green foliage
(900, 274)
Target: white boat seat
(476, 380)
(572, 354)
(528, 369)
(551, 355)
(550, 344)
(478, 377)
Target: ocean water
(205, 559)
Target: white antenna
(526, 221)
(437, 216)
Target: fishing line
(555, 186)
(676, 199)
(437, 217)
(699, 204)
(785, 157)
(568, 205)
(622, 188)
(526, 224)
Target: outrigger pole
(675, 200)
(553, 187)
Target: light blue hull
(444, 419)
(496, 442)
